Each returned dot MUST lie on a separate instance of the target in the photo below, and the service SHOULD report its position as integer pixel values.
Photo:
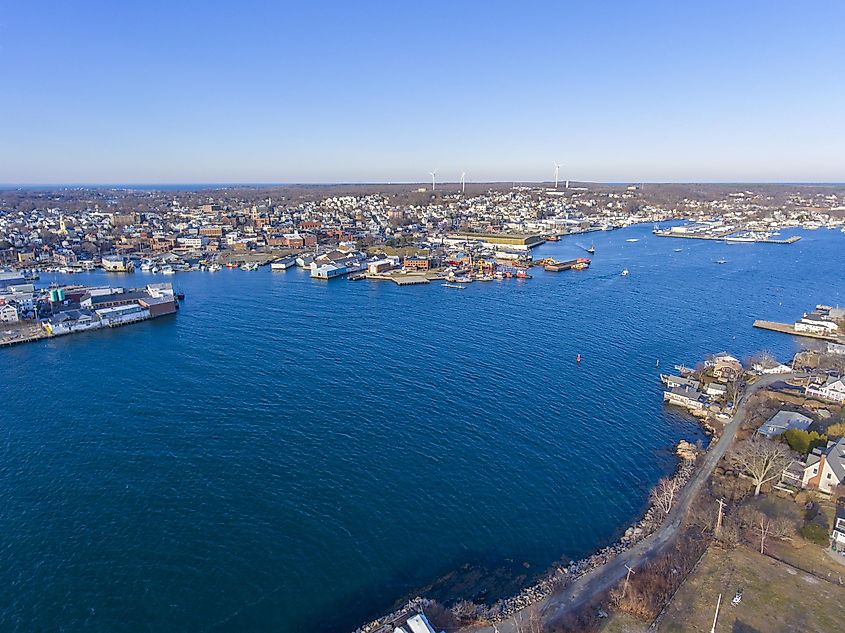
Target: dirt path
(599, 580)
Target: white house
(691, 399)
(815, 323)
(824, 468)
(9, 313)
(837, 538)
(833, 389)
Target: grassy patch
(776, 598)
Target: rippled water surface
(294, 455)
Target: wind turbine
(463, 181)
(557, 172)
(433, 179)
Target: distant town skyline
(381, 92)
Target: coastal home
(824, 468)
(725, 367)
(691, 399)
(771, 368)
(783, 421)
(832, 389)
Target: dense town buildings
(78, 229)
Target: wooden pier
(400, 280)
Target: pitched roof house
(824, 468)
(782, 421)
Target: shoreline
(555, 578)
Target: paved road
(599, 580)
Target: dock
(400, 280)
(788, 328)
(8, 342)
(725, 238)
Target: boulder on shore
(686, 451)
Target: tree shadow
(741, 627)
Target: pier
(726, 238)
(400, 280)
(788, 328)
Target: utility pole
(716, 617)
(627, 577)
(721, 503)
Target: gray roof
(836, 458)
(783, 420)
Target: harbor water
(295, 455)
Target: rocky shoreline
(559, 576)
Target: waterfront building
(9, 313)
(327, 271)
(816, 323)
(116, 263)
(417, 263)
(725, 367)
(691, 399)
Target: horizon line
(124, 185)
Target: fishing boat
(552, 238)
(167, 270)
(592, 249)
(249, 267)
(231, 265)
(213, 268)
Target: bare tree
(663, 494)
(761, 459)
(768, 527)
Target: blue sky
(164, 92)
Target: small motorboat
(721, 261)
(592, 249)
(625, 273)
